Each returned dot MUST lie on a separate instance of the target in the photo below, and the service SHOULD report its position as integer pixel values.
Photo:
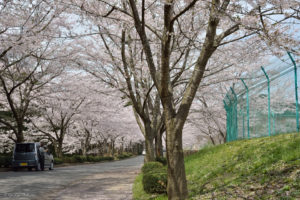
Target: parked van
(31, 155)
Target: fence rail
(265, 102)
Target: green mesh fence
(264, 103)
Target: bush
(154, 177)
(80, 159)
(150, 166)
(69, 159)
(98, 158)
(5, 160)
(58, 161)
(91, 158)
(155, 181)
(124, 155)
(162, 160)
(107, 158)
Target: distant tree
(57, 111)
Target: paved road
(103, 181)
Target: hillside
(260, 168)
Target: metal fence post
(248, 117)
(236, 115)
(269, 102)
(296, 89)
(227, 119)
(273, 119)
(243, 123)
(230, 119)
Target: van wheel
(15, 169)
(38, 167)
(29, 169)
(51, 166)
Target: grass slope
(261, 168)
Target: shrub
(98, 158)
(162, 160)
(124, 155)
(91, 158)
(150, 166)
(155, 181)
(80, 159)
(107, 158)
(5, 161)
(58, 161)
(69, 159)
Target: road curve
(103, 181)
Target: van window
(24, 148)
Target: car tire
(51, 166)
(38, 167)
(15, 169)
(29, 168)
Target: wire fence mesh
(265, 102)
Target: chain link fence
(265, 102)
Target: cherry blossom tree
(20, 85)
(216, 24)
(28, 58)
(58, 109)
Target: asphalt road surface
(103, 181)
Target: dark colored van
(31, 155)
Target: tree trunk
(159, 145)
(177, 184)
(59, 150)
(55, 146)
(19, 134)
(149, 139)
(20, 137)
(83, 148)
(149, 149)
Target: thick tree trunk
(177, 184)
(20, 137)
(19, 134)
(159, 145)
(59, 150)
(149, 149)
(149, 140)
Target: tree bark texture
(149, 140)
(159, 145)
(177, 184)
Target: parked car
(31, 155)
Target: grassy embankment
(261, 168)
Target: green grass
(261, 168)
